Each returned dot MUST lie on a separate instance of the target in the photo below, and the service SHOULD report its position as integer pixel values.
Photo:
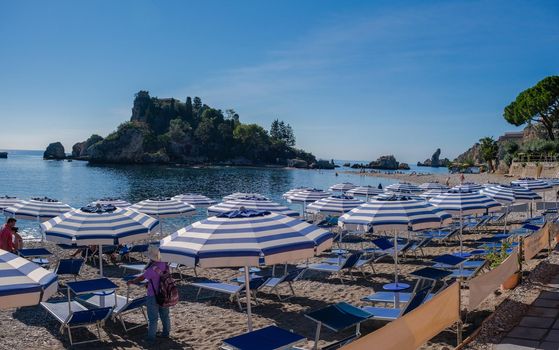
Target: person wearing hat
(154, 310)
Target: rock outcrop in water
(80, 150)
(435, 160)
(388, 163)
(166, 130)
(54, 151)
(3, 154)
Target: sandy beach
(204, 324)
(419, 178)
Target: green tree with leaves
(539, 104)
(489, 150)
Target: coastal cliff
(167, 130)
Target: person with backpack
(161, 293)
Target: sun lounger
(337, 318)
(416, 246)
(386, 248)
(338, 270)
(122, 307)
(390, 314)
(267, 338)
(273, 283)
(77, 316)
(233, 290)
(36, 255)
(69, 267)
(138, 248)
(460, 267)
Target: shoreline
(454, 179)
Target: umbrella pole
(247, 291)
(160, 226)
(461, 228)
(100, 260)
(506, 214)
(396, 257)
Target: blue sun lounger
(460, 267)
(267, 338)
(70, 267)
(336, 269)
(123, 306)
(37, 255)
(337, 318)
(391, 314)
(425, 273)
(386, 247)
(273, 283)
(233, 290)
(71, 314)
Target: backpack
(168, 294)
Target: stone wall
(533, 169)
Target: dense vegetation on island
(166, 130)
(538, 109)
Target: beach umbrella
(433, 186)
(24, 283)
(196, 200)
(508, 194)
(396, 213)
(293, 191)
(468, 187)
(251, 203)
(403, 188)
(40, 209)
(536, 185)
(307, 196)
(386, 195)
(342, 187)
(117, 202)
(163, 207)
(244, 238)
(7, 201)
(334, 205)
(237, 195)
(367, 191)
(461, 203)
(432, 193)
(99, 225)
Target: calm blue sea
(25, 174)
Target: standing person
(462, 178)
(7, 235)
(153, 272)
(447, 182)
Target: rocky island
(167, 130)
(383, 163)
(435, 161)
(54, 151)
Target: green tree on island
(489, 150)
(539, 104)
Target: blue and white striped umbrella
(243, 238)
(163, 207)
(251, 203)
(99, 225)
(533, 184)
(365, 191)
(197, 200)
(23, 283)
(468, 187)
(117, 202)
(308, 196)
(395, 213)
(403, 188)
(387, 195)
(507, 194)
(433, 186)
(432, 193)
(552, 181)
(41, 209)
(344, 186)
(103, 225)
(238, 195)
(461, 203)
(7, 201)
(293, 191)
(490, 184)
(334, 205)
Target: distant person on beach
(462, 178)
(7, 235)
(447, 182)
(379, 186)
(153, 274)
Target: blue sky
(356, 79)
